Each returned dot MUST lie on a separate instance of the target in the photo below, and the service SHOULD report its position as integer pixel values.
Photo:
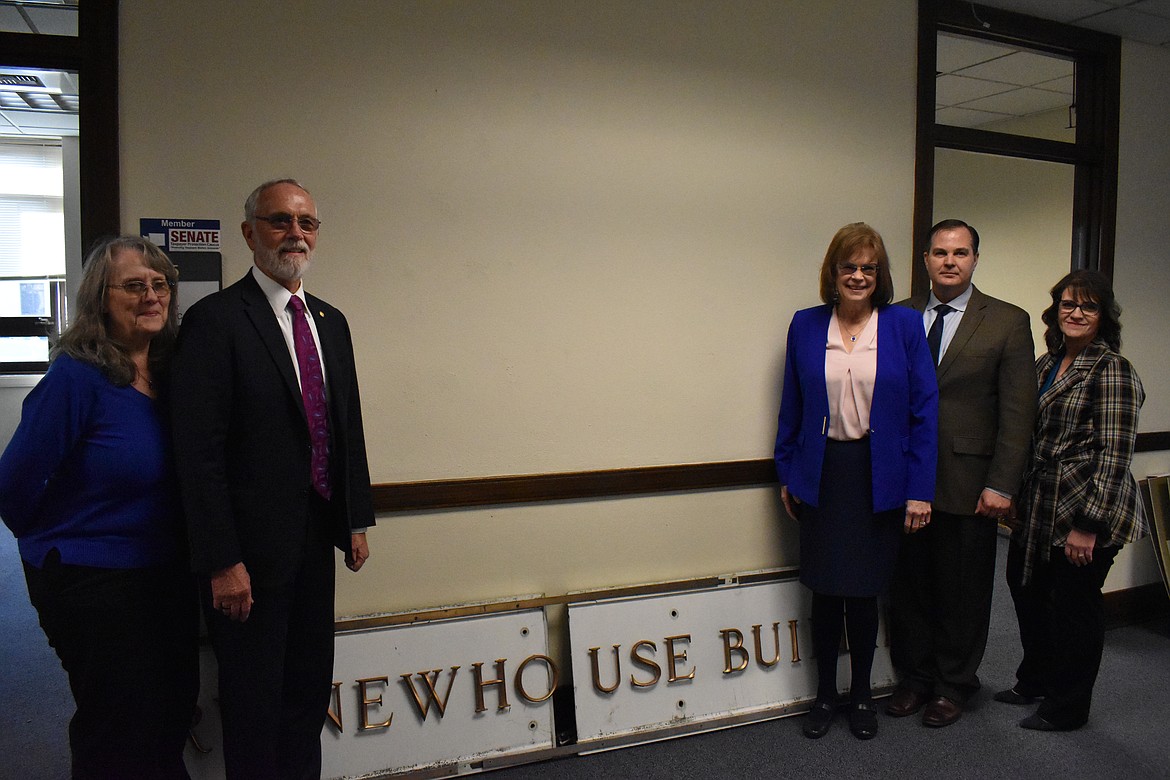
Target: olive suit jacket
(986, 405)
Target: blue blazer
(903, 422)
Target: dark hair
(1091, 286)
(254, 197)
(954, 224)
(845, 244)
(88, 338)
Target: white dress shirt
(951, 323)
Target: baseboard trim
(1136, 605)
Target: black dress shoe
(905, 702)
(863, 720)
(1037, 723)
(1012, 696)
(818, 720)
(942, 712)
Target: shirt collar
(958, 304)
(276, 293)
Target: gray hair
(250, 203)
(88, 337)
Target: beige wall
(567, 236)
(1023, 212)
(571, 236)
(1140, 277)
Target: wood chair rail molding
(428, 495)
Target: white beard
(283, 268)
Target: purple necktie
(312, 395)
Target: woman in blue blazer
(855, 454)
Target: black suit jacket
(242, 447)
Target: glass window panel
(32, 222)
(1005, 89)
(24, 349)
(39, 17)
(1025, 230)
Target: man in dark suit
(272, 469)
(941, 594)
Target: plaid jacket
(1082, 448)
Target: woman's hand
(790, 502)
(1078, 548)
(917, 516)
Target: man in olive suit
(942, 588)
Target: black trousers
(128, 639)
(276, 668)
(940, 605)
(1062, 629)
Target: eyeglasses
(848, 269)
(285, 222)
(1088, 308)
(161, 287)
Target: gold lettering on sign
(334, 711)
(617, 670)
(756, 630)
(647, 663)
(795, 641)
(429, 679)
(736, 647)
(551, 669)
(674, 656)
(367, 702)
(499, 682)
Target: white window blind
(32, 221)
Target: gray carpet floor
(1126, 738)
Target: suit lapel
(259, 311)
(972, 317)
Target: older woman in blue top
(86, 487)
(855, 455)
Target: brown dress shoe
(942, 712)
(905, 702)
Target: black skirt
(846, 549)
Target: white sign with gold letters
(653, 662)
(425, 695)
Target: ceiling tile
(53, 21)
(1057, 10)
(11, 20)
(964, 117)
(1019, 102)
(956, 52)
(1134, 25)
(953, 90)
(1023, 68)
(1063, 85)
(1154, 7)
(43, 122)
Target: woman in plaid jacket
(1079, 503)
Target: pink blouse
(849, 378)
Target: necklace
(853, 336)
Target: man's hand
(231, 592)
(993, 505)
(359, 551)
